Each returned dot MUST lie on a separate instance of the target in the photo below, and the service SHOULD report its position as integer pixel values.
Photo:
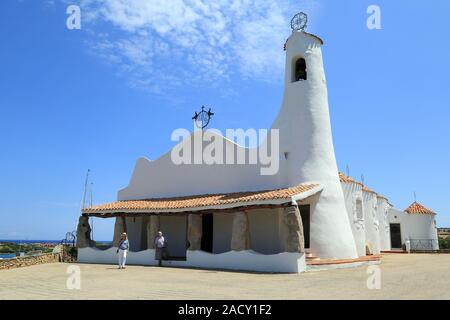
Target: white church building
(233, 217)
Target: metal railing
(70, 239)
(69, 251)
(424, 244)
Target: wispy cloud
(160, 45)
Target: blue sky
(103, 96)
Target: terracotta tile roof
(419, 209)
(367, 189)
(204, 201)
(379, 196)
(347, 179)
(382, 197)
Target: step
(310, 256)
(374, 258)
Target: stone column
(84, 233)
(240, 236)
(295, 241)
(195, 232)
(152, 230)
(119, 228)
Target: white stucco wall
(372, 225)
(245, 260)
(383, 219)
(162, 178)
(423, 227)
(353, 193)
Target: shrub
(444, 243)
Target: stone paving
(417, 276)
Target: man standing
(160, 244)
(123, 250)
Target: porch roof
(199, 203)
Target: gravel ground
(415, 276)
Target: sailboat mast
(90, 205)
(83, 205)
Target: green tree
(444, 243)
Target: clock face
(299, 21)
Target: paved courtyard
(419, 276)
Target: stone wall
(29, 261)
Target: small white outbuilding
(416, 224)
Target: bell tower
(306, 137)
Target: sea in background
(30, 241)
(45, 241)
(42, 242)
